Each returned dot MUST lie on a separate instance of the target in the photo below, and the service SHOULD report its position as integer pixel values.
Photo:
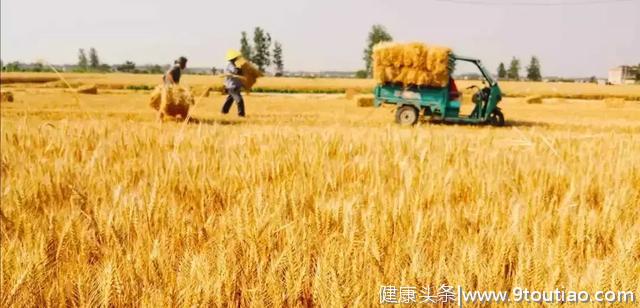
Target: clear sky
(570, 40)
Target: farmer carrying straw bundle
(233, 81)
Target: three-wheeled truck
(438, 104)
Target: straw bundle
(411, 64)
(364, 100)
(350, 93)
(6, 96)
(535, 99)
(171, 100)
(88, 89)
(250, 73)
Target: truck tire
(496, 118)
(407, 115)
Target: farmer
(453, 89)
(233, 82)
(172, 76)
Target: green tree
(37, 67)
(533, 70)
(245, 47)
(94, 61)
(104, 67)
(593, 79)
(14, 66)
(638, 73)
(377, 35)
(362, 74)
(127, 66)
(156, 69)
(261, 44)
(502, 72)
(514, 69)
(83, 63)
(277, 58)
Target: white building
(622, 74)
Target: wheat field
(309, 201)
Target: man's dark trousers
(234, 95)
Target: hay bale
(111, 86)
(364, 100)
(87, 89)
(6, 96)
(535, 99)
(250, 73)
(171, 100)
(411, 64)
(350, 93)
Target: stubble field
(310, 200)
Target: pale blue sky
(570, 40)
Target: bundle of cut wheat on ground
(171, 100)
(411, 64)
(6, 96)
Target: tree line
(513, 73)
(260, 53)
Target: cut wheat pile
(6, 96)
(364, 100)
(534, 99)
(171, 100)
(87, 89)
(411, 64)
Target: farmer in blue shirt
(233, 82)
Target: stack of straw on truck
(411, 64)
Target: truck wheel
(407, 115)
(496, 118)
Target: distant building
(622, 74)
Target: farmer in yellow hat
(233, 82)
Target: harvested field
(337, 85)
(324, 85)
(9, 78)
